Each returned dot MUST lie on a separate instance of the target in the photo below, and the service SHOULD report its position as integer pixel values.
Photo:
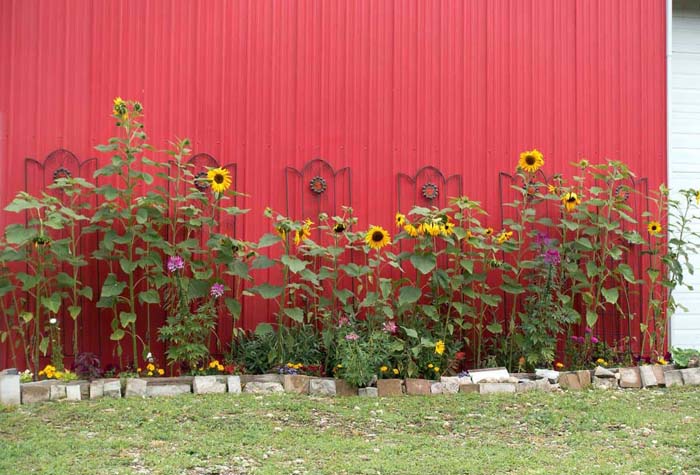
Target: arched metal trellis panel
(38, 176)
(427, 187)
(317, 188)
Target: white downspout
(669, 57)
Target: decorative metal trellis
(317, 188)
(38, 176)
(427, 187)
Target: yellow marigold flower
(559, 365)
(440, 347)
(150, 367)
(377, 237)
(488, 231)
(411, 230)
(161, 371)
(430, 365)
(41, 373)
(339, 365)
(504, 236)
(289, 365)
(58, 375)
(395, 371)
(654, 228)
(661, 361)
(150, 373)
(530, 161)
(220, 179)
(436, 369)
(570, 201)
(220, 367)
(400, 220)
(138, 370)
(600, 361)
(383, 369)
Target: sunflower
(410, 230)
(530, 161)
(339, 228)
(488, 231)
(448, 229)
(119, 107)
(432, 229)
(697, 197)
(552, 189)
(377, 237)
(220, 179)
(304, 233)
(504, 236)
(400, 220)
(654, 228)
(570, 201)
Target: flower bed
(450, 288)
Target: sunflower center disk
(377, 236)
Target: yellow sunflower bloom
(377, 237)
(448, 229)
(504, 236)
(570, 201)
(488, 231)
(411, 230)
(400, 220)
(530, 161)
(697, 197)
(433, 229)
(220, 179)
(440, 347)
(339, 228)
(552, 189)
(654, 228)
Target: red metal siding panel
(380, 86)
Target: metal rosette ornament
(201, 182)
(318, 185)
(61, 172)
(430, 191)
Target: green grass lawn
(648, 432)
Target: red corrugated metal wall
(382, 87)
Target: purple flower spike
(551, 257)
(175, 263)
(217, 290)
